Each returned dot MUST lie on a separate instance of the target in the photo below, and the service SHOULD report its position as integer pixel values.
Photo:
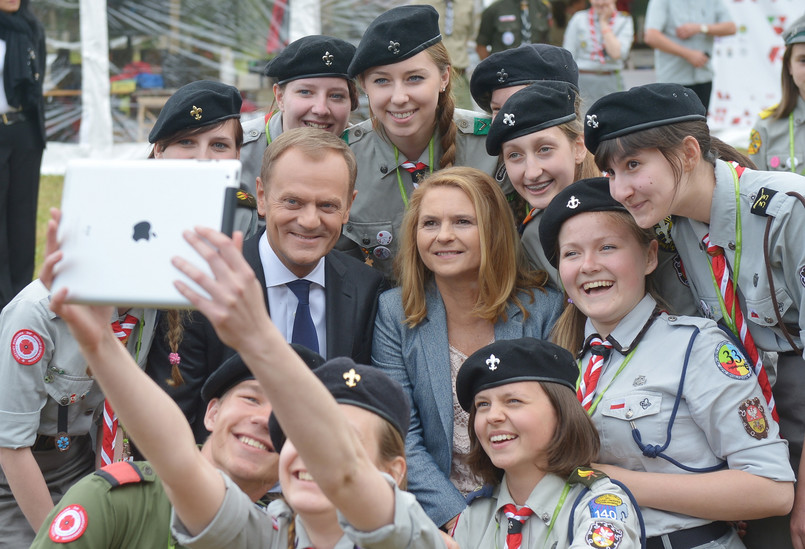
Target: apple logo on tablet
(142, 231)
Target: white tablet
(122, 222)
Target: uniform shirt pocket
(760, 308)
(638, 408)
(65, 387)
(377, 239)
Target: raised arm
(329, 446)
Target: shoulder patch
(730, 360)
(481, 126)
(586, 476)
(761, 203)
(603, 534)
(608, 506)
(663, 232)
(246, 200)
(27, 347)
(767, 112)
(121, 473)
(755, 142)
(69, 525)
(753, 417)
(481, 492)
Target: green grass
(50, 187)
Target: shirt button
(88, 412)
(254, 133)
(384, 169)
(731, 245)
(358, 133)
(48, 378)
(64, 401)
(630, 413)
(672, 318)
(546, 518)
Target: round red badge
(27, 347)
(69, 525)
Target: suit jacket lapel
(251, 253)
(340, 297)
(436, 348)
(513, 327)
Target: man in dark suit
(305, 192)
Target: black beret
(585, 195)
(234, 370)
(539, 106)
(640, 108)
(396, 35)
(194, 105)
(795, 34)
(522, 65)
(513, 360)
(313, 56)
(363, 386)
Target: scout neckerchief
(122, 332)
(726, 285)
(597, 53)
(403, 194)
(599, 350)
(615, 345)
(532, 213)
(517, 518)
(555, 514)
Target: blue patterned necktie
(304, 331)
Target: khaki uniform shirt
(238, 524)
(602, 517)
(770, 143)
(722, 414)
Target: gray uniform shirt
(377, 212)
(254, 146)
(533, 249)
(722, 414)
(665, 16)
(786, 253)
(42, 367)
(604, 517)
(239, 524)
(770, 143)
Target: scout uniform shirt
(121, 505)
(595, 513)
(377, 212)
(239, 525)
(722, 415)
(255, 142)
(771, 140)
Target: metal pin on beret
(537, 107)
(396, 35)
(314, 56)
(795, 34)
(363, 386)
(521, 66)
(194, 105)
(640, 108)
(585, 195)
(512, 361)
(233, 370)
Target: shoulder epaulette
(484, 491)
(246, 200)
(125, 472)
(357, 131)
(767, 112)
(472, 122)
(586, 476)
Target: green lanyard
(557, 509)
(728, 318)
(598, 398)
(791, 157)
(403, 194)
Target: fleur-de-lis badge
(196, 112)
(573, 203)
(508, 119)
(592, 120)
(394, 47)
(327, 58)
(492, 362)
(352, 377)
(502, 75)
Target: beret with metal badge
(314, 56)
(194, 105)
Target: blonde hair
(445, 107)
(504, 270)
